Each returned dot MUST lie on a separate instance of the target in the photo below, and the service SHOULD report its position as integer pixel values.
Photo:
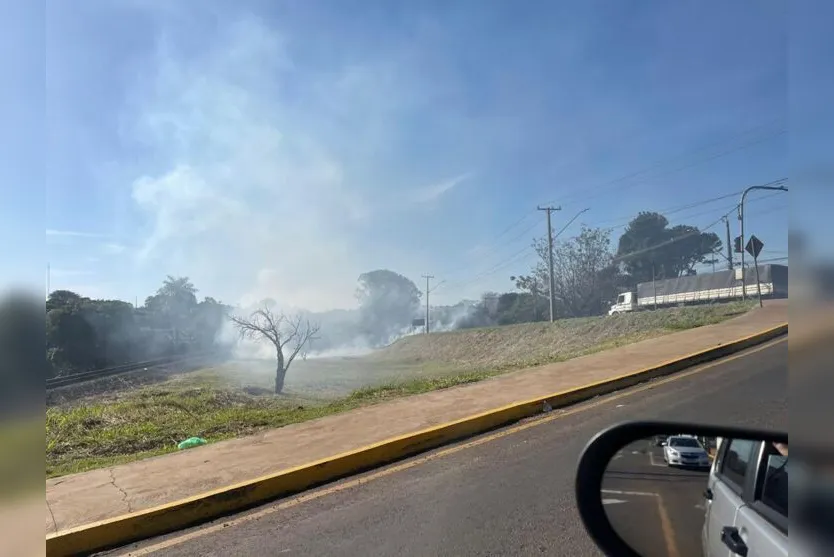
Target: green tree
(388, 302)
(84, 334)
(116, 332)
(649, 247)
(532, 285)
(172, 307)
(70, 338)
(209, 317)
(63, 298)
(515, 307)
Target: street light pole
(741, 227)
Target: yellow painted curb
(181, 514)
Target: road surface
(505, 493)
(656, 509)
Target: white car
(683, 450)
(747, 502)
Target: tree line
(589, 272)
(84, 333)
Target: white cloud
(71, 233)
(432, 192)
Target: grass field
(232, 400)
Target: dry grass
(151, 421)
(531, 344)
(216, 403)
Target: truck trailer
(704, 288)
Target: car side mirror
(636, 503)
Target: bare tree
(288, 335)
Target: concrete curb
(188, 512)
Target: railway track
(76, 378)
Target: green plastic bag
(191, 442)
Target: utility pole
(549, 210)
(428, 278)
(729, 246)
(741, 227)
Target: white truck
(705, 288)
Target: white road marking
(665, 523)
(613, 501)
(636, 493)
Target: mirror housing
(601, 450)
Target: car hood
(691, 451)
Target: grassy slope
(531, 344)
(151, 420)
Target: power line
(606, 185)
(654, 166)
(502, 265)
(494, 248)
(729, 208)
(625, 221)
(765, 211)
(513, 225)
(683, 237)
(676, 208)
(518, 255)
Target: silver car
(685, 450)
(747, 501)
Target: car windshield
(684, 442)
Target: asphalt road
(505, 493)
(658, 510)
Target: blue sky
(282, 148)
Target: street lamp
(741, 226)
